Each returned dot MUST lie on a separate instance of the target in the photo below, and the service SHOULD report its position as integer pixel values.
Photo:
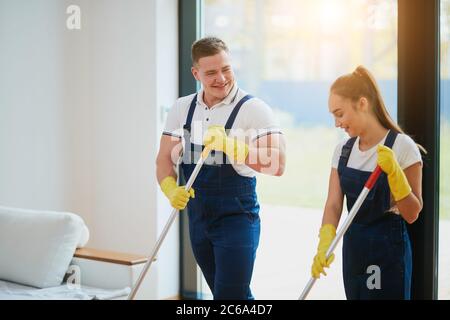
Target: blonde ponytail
(361, 83)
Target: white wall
(166, 90)
(34, 164)
(80, 118)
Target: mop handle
(166, 229)
(359, 201)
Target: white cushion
(36, 246)
(84, 237)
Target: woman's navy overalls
(224, 223)
(377, 262)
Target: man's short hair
(206, 47)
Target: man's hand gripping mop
(169, 223)
(367, 187)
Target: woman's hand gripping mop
(367, 187)
(169, 223)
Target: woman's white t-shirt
(406, 152)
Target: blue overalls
(224, 223)
(375, 239)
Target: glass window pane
(288, 53)
(444, 194)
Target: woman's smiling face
(345, 114)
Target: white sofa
(42, 256)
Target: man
(222, 205)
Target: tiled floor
(287, 245)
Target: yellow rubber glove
(177, 196)
(398, 183)
(217, 139)
(326, 234)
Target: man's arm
(169, 152)
(267, 154)
(168, 155)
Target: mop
(169, 223)
(362, 196)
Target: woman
(376, 250)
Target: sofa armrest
(110, 270)
(109, 256)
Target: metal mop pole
(362, 196)
(172, 217)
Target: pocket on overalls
(399, 238)
(397, 229)
(248, 204)
(383, 246)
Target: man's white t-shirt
(254, 120)
(406, 152)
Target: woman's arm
(411, 205)
(333, 206)
(330, 221)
